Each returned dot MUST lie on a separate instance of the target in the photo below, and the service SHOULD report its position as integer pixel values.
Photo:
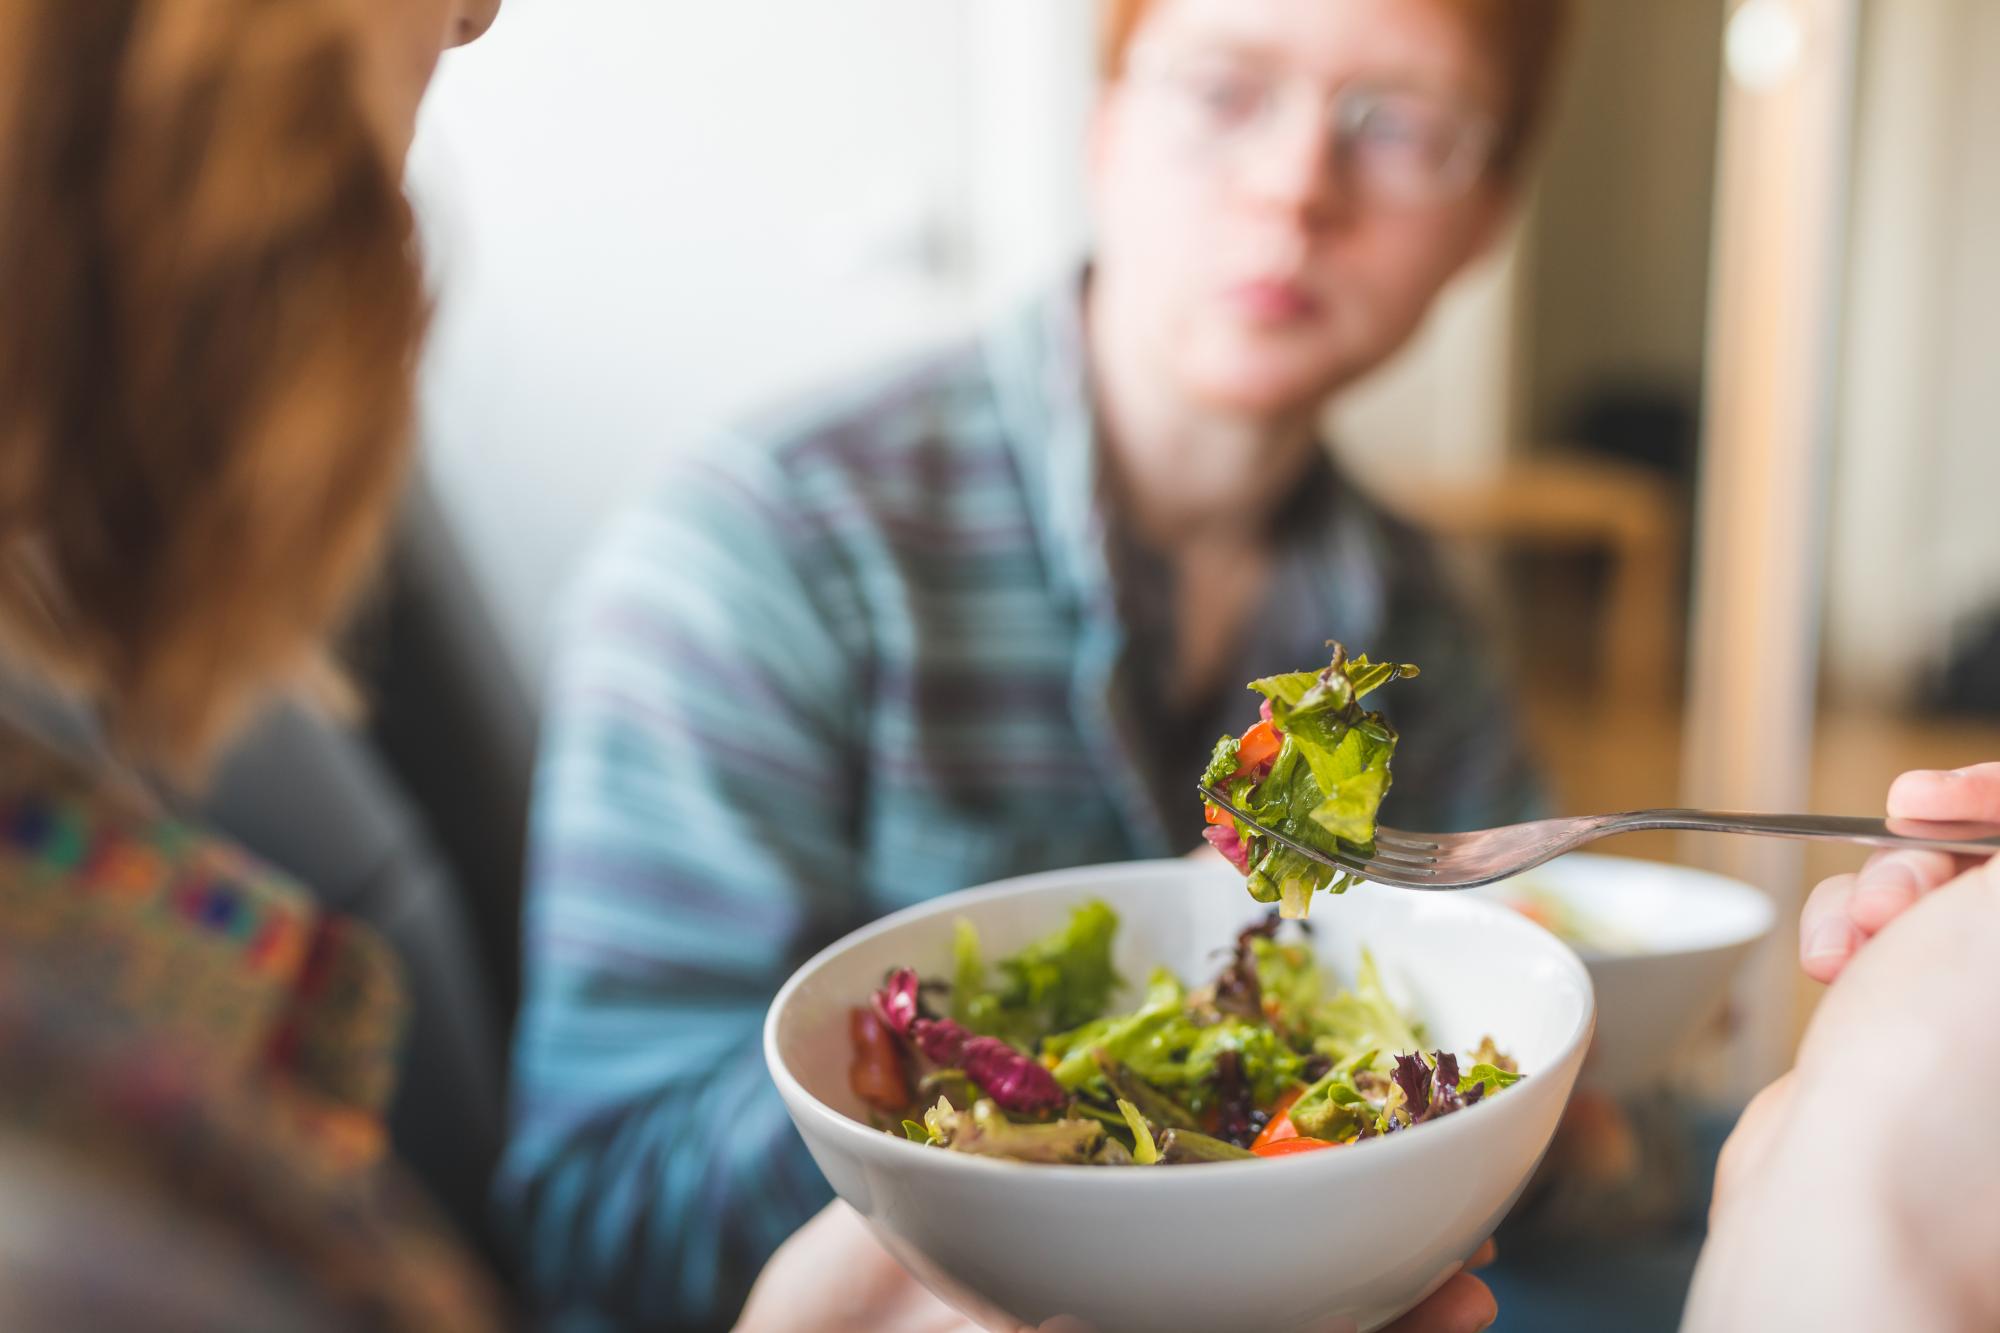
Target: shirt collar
(1333, 541)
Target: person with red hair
(986, 614)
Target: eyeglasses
(1395, 147)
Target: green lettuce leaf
(1363, 1019)
(1354, 774)
(1144, 1150)
(1335, 1108)
(1074, 1051)
(1222, 764)
(1292, 985)
(1490, 1077)
(1285, 800)
(1326, 787)
(1162, 1043)
(1290, 692)
(1051, 986)
(1367, 676)
(971, 1003)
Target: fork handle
(1966, 839)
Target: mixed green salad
(1028, 1059)
(1315, 768)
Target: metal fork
(1467, 860)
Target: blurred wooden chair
(1631, 515)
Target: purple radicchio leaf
(1013, 1080)
(897, 1001)
(1445, 1098)
(1413, 1076)
(1237, 990)
(1430, 1088)
(941, 1040)
(1224, 839)
(1017, 1082)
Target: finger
(1891, 883)
(1828, 936)
(1750, 1140)
(1483, 1256)
(1967, 794)
(1462, 1305)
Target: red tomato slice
(876, 1074)
(1287, 1147)
(1259, 743)
(1280, 1127)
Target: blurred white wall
(1619, 243)
(647, 217)
(1914, 546)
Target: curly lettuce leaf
(1366, 677)
(1287, 880)
(1362, 1019)
(1054, 984)
(1290, 692)
(1353, 1101)
(972, 1004)
(1489, 1079)
(1222, 765)
(1290, 981)
(1285, 800)
(1311, 700)
(1354, 775)
(1180, 1057)
(1326, 787)
(1335, 1108)
(1065, 978)
(1170, 1049)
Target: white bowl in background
(1360, 1233)
(1679, 936)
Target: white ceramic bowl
(1681, 936)
(1360, 1234)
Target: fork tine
(1391, 856)
(1385, 870)
(1397, 840)
(1402, 869)
(1396, 876)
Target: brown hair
(212, 307)
(1525, 38)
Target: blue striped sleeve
(693, 833)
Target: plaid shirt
(844, 662)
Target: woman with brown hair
(213, 309)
